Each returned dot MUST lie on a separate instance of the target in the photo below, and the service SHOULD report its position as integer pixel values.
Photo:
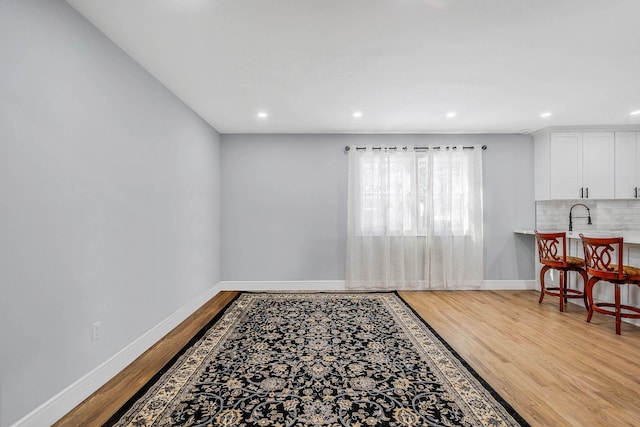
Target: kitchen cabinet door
(541, 165)
(627, 163)
(565, 162)
(597, 165)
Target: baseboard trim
(67, 399)
(509, 285)
(299, 285)
(339, 285)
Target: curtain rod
(347, 148)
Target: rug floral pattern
(318, 360)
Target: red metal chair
(552, 253)
(603, 258)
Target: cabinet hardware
(581, 192)
(635, 192)
(587, 193)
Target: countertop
(631, 237)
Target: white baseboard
(63, 402)
(508, 285)
(339, 285)
(300, 285)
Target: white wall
(284, 201)
(109, 202)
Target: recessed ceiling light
(545, 115)
(634, 113)
(357, 114)
(263, 115)
(451, 114)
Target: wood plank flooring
(553, 368)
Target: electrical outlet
(96, 333)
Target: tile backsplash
(605, 215)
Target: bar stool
(603, 258)
(552, 253)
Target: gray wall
(284, 207)
(109, 202)
(284, 203)
(509, 204)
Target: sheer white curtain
(415, 218)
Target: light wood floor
(553, 368)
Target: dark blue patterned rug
(359, 360)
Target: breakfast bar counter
(631, 237)
(630, 294)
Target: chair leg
(585, 279)
(543, 270)
(563, 276)
(589, 290)
(618, 309)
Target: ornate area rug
(319, 360)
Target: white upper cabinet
(581, 165)
(565, 178)
(627, 165)
(541, 165)
(598, 165)
(577, 165)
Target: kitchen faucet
(571, 217)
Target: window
(411, 193)
(414, 219)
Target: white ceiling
(310, 64)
